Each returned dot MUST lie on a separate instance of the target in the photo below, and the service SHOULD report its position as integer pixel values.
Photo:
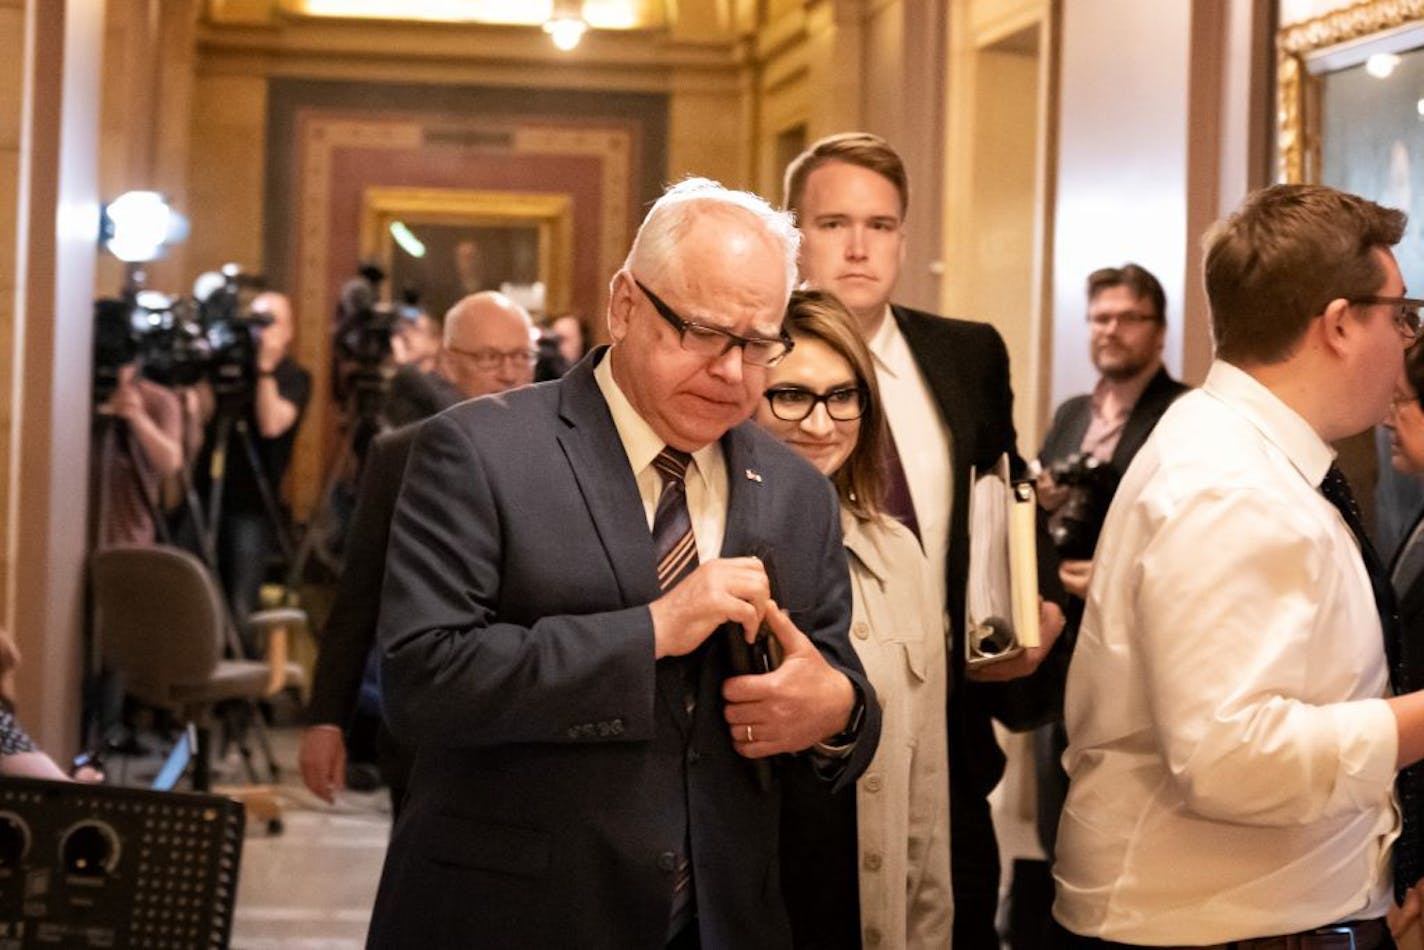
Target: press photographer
(260, 400)
(137, 432)
(1127, 327)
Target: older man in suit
(945, 386)
(568, 584)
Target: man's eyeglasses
(712, 343)
(1406, 314)
(793, 404)
(492, 359)
(1126, 319)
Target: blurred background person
(417, 389)
(415, 341)
(246, 530)
(486, 350)
(18, 755)
(884, 850)
(573, 336)
(1405, 425)
(137, 456)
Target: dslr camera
(1076, 524)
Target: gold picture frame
(549, 216)
(1307, 49)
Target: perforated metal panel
(94, 866)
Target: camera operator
(281, 389)
(152, 427)
(418, 389)
(1091, 442)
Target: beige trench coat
(902, 800)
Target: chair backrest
(160, 615)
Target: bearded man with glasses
(570, 575)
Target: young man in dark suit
(570, 567)
(945, 384)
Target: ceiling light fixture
(566, 25)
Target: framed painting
(437, 245)
(1350, 114)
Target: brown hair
(819, 315)
(1279, 261)
(852, 148)
(1137, 279)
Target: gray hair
(673, 214)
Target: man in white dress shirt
(1233, 734)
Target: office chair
(163, 626)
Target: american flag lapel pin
(753, 476)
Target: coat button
(693, 756)
(667, 861)
(861, 630)
(873, 861)
(872, 937)
(872, 783)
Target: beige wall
(12, 76)
(1140, 176)
(998, 184)
(56, 231)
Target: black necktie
(1409, 785)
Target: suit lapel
(744, 489)
(936, 362)
(600, 466)
(1140, 422)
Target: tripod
(365, 407)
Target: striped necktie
(672, 524)
(1409, 784)
(677, 557)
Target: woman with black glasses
(872, 869)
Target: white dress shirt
(1230, 757)
(706, 476)
(921, 438)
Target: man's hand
(1051, 495)
(728, 589)
(323, 761)
(1075, 576)
(1050, 625)
(271, 347)
(126, 403)
(1407, 915)
(800, 703)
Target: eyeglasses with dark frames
(712, 342)
(793, 404)
(1406, 314)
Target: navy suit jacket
(558, 771)
(350, 630)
